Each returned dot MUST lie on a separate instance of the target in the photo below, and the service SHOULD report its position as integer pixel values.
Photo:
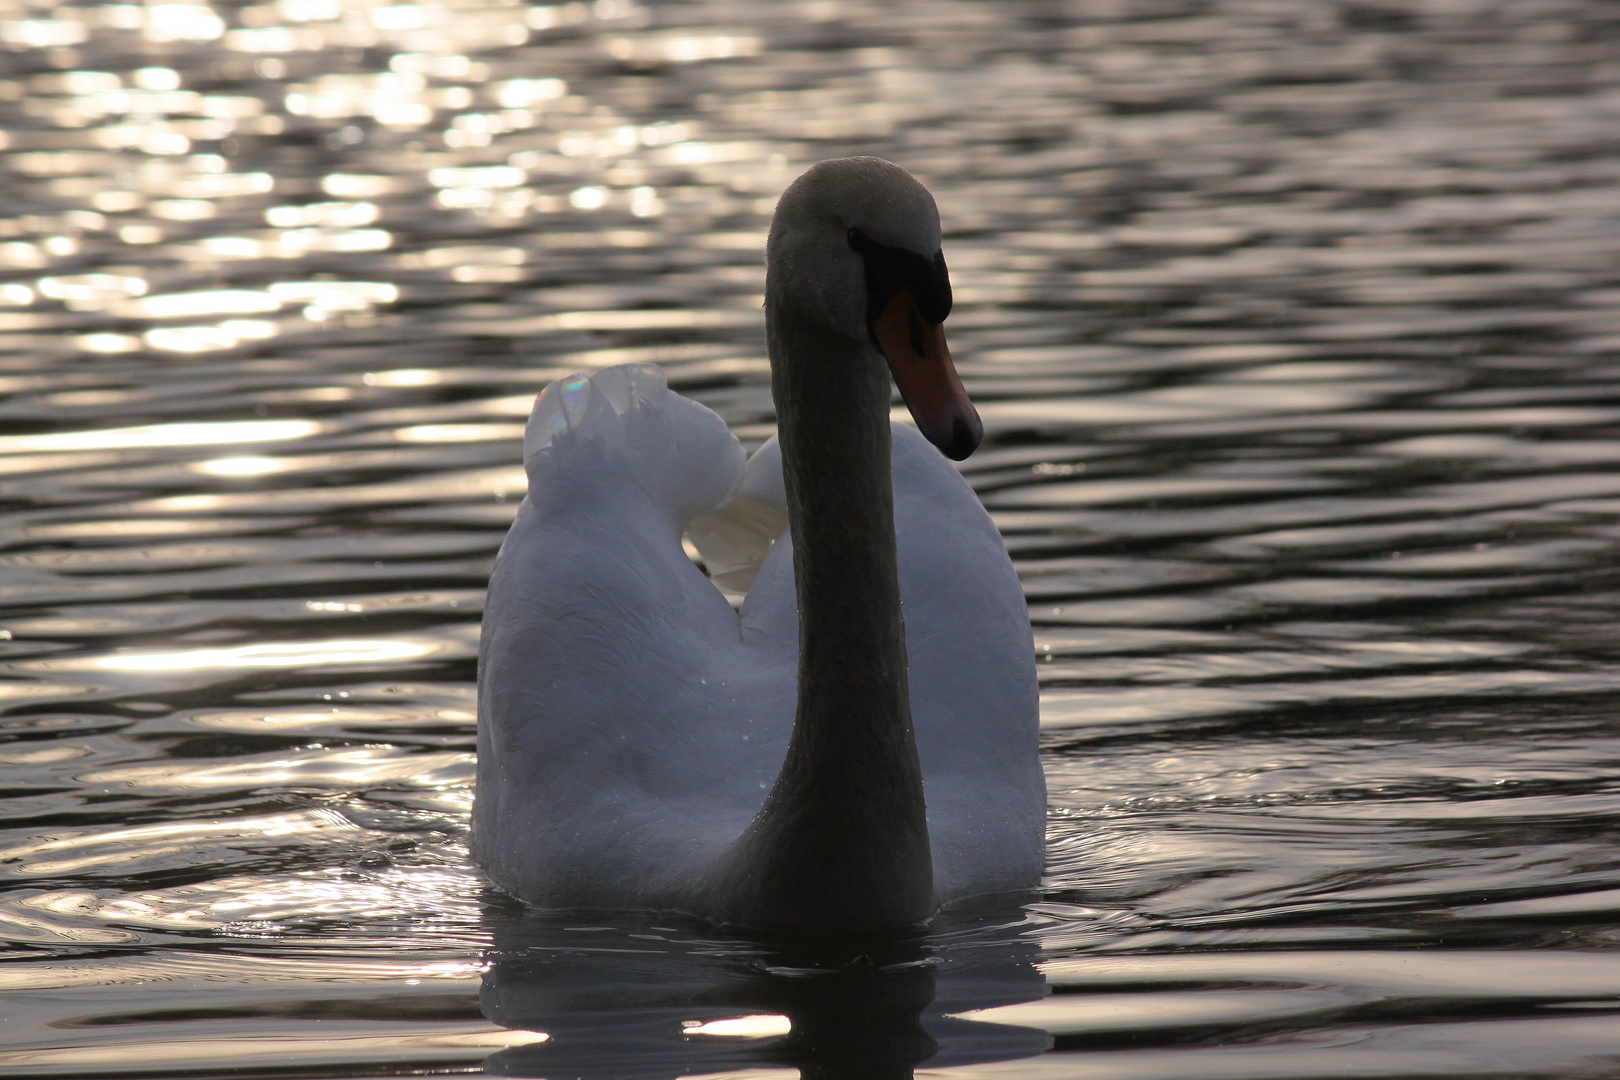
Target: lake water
(1295, 327)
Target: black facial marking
(888, 270)
(916, 328)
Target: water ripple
(1293, 329)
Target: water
(1294, 330)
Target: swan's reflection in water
(641, 1001)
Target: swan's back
(630, 722)
(971, 668)
(601, 769)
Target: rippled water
(1294, 326)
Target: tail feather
(624, 420)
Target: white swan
(641, 745)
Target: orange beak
(921, 363)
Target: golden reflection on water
(240, 466)
(393, 222)
(342, 769)
(250, 907)
(754, 1026)
(206, 433)
(73, 853)
(198, 190)
(134, 527)
(444, 433)
(219, 969)
(432, 1045)
(404, 377)
(192, 305)
(281, 654)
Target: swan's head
(855, 246)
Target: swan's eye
(858, 240)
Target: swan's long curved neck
(842, 841)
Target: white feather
(630, 721)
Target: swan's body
(631, 724)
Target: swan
(856, 745)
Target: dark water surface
(1295, 329)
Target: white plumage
(631, 722)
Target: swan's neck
(842, 841)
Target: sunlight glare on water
(1293, 328)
